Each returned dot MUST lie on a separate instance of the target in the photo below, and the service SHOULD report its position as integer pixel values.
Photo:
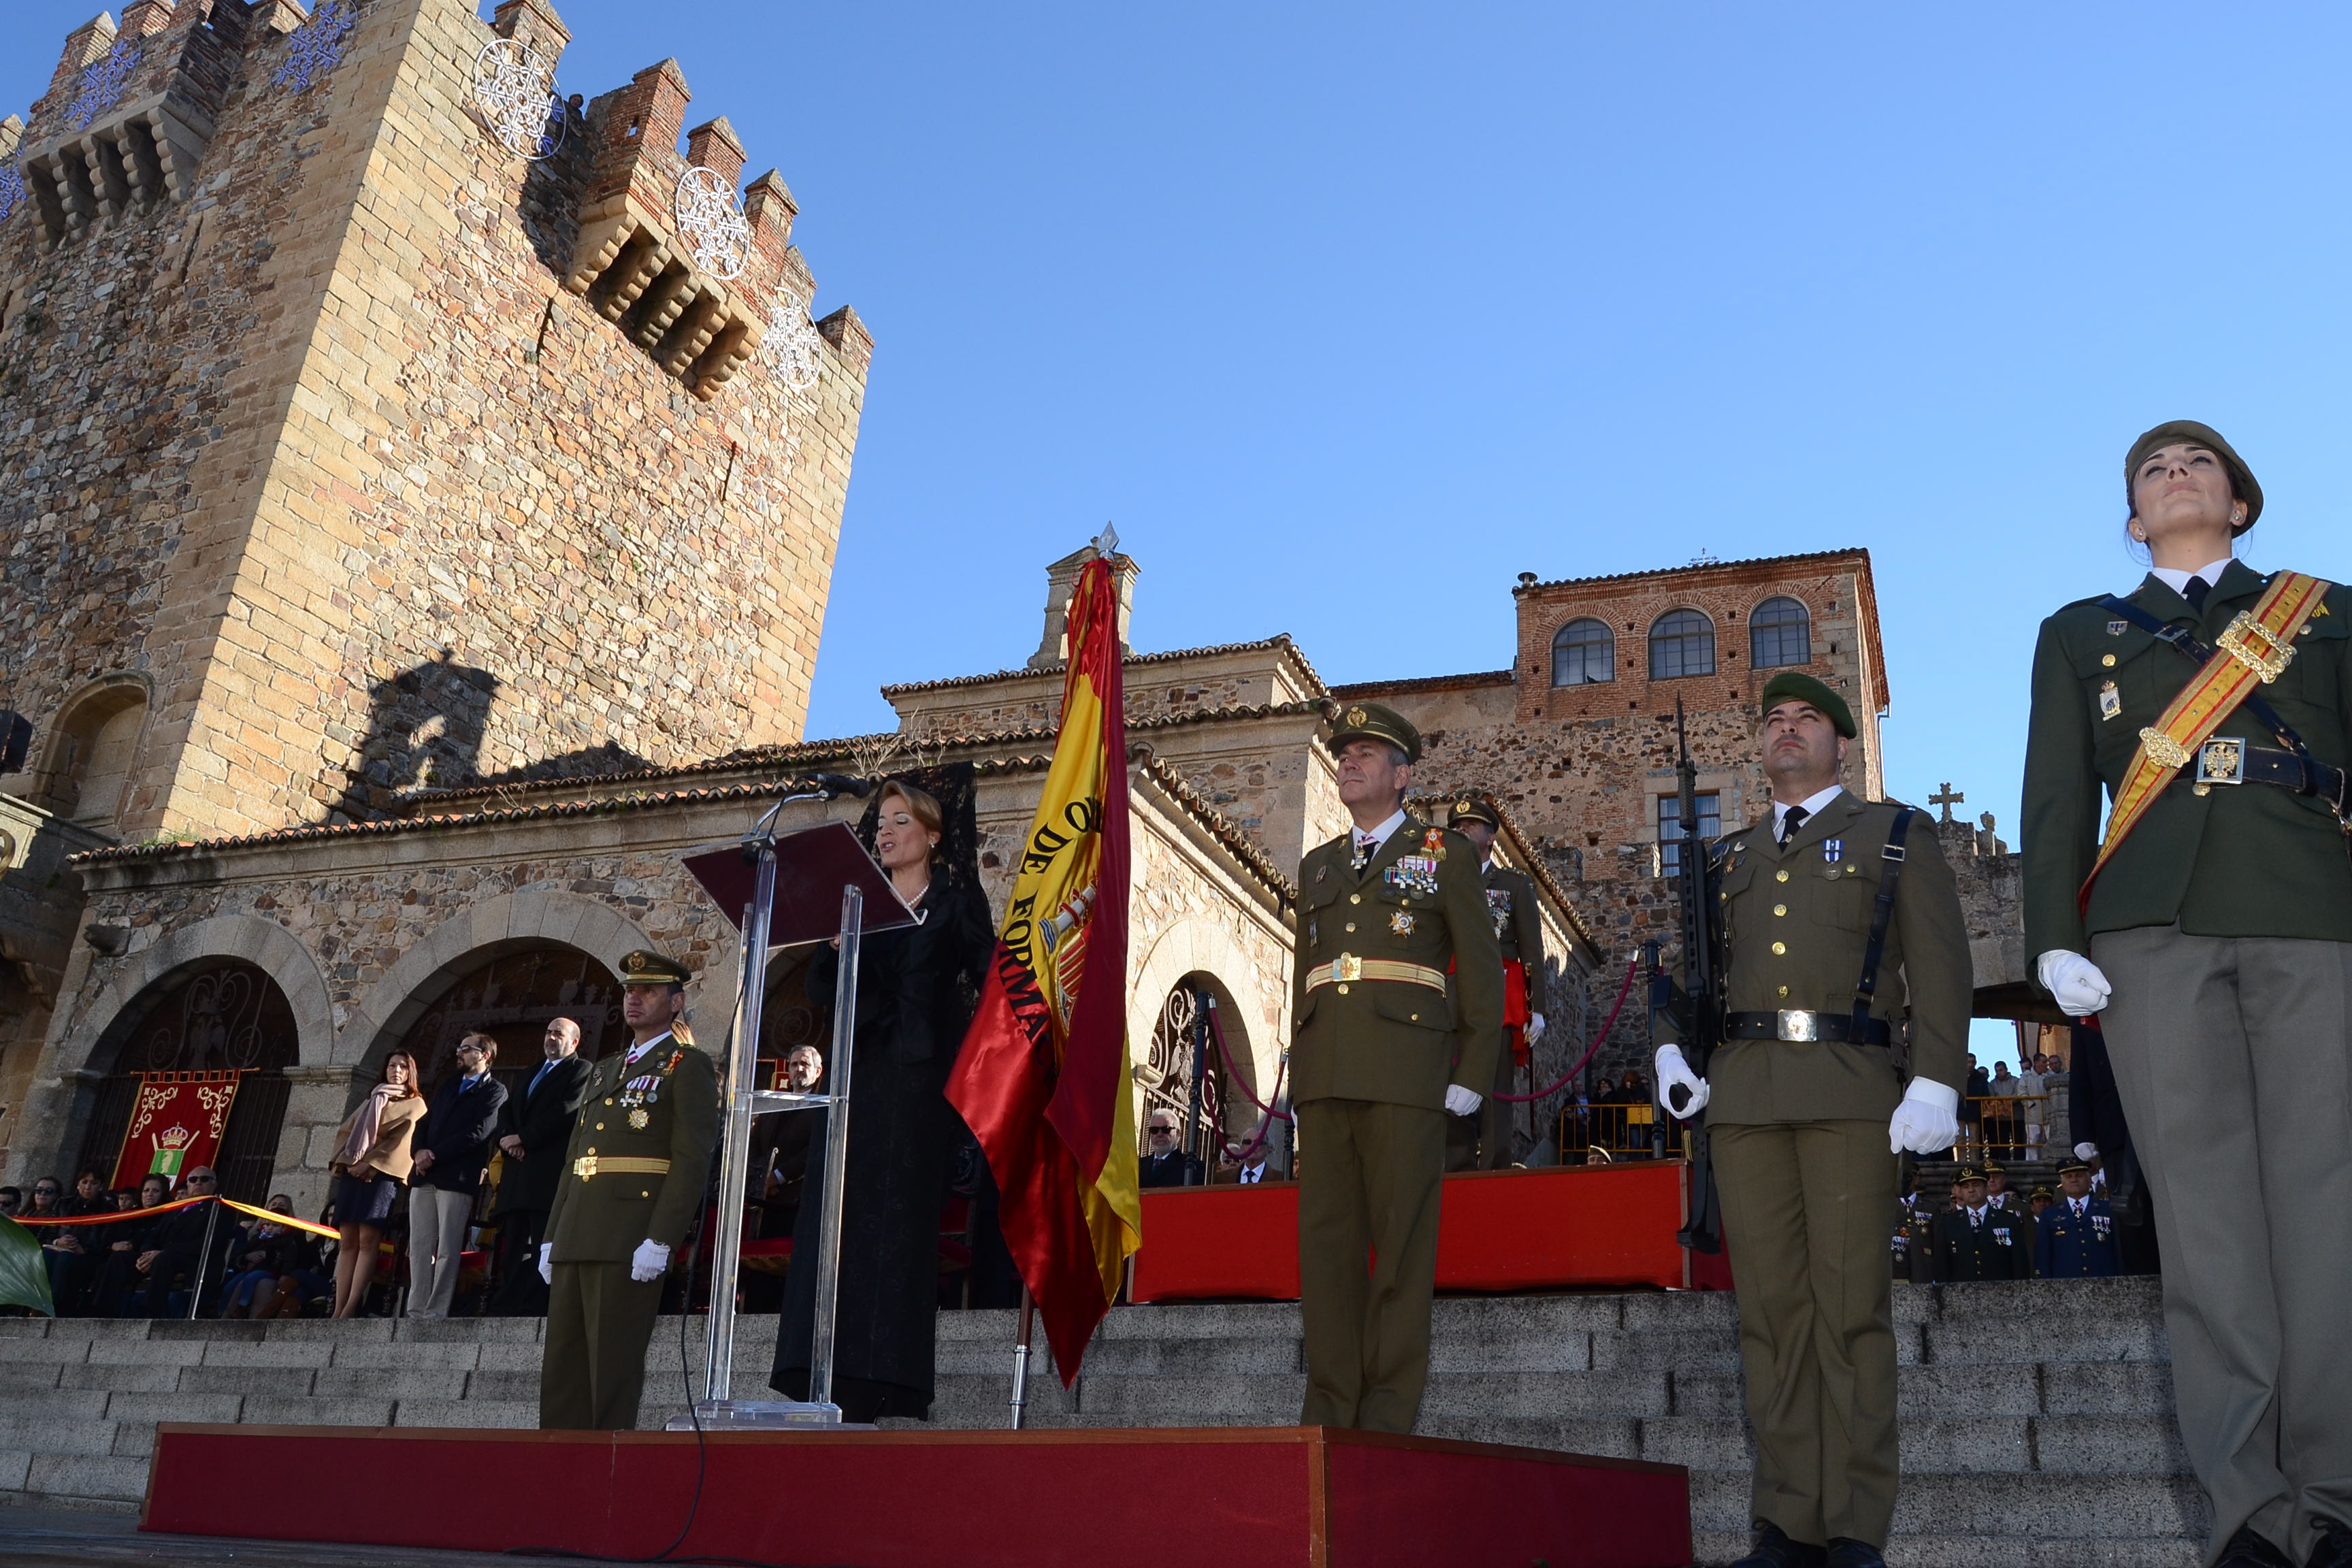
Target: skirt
(365, 1201)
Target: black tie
(2195, 593)
(1792, 820)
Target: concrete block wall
(2037, 1424)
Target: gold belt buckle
(1349, 966)
(584, 1167)
(1796, 1024)
(2222, 761)
(2239, 640)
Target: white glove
(2074, 981)
(1928, 1120)
(1674, 1073)
(651, 1261)
(546, 1268)
(1460, 1101)
(2086, 1150)
(1534, 1027)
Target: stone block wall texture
(323, 450)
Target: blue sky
(1347, 314)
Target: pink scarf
(365, 1122)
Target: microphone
(842, 783)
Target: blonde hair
(921, 804)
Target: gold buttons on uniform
(600, 1127)
(1783, 991)
(1416, 1017)
(1351, 925)
(1778, 948)
(1780, 875)
(1779, 908)
(608, 1102)
(1343, 988)
(644, 1194)
(592, 1148)
(1355, 898)
(2109, 659)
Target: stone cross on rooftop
(1948, 799)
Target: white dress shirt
(2179, 581)
(1359, 838)
(1813, 805)
(637, 1051)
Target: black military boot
(2334, 1548)
(1775, 1549)
(2250, 1548)
(1847, 1552)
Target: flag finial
(1106, 542)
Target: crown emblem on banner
(175, 1140)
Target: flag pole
(1020, 1358)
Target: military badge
(1355, 715)
(1401, 922)
(2111, 701)
(1432, 843)
(2117, 628)
(1832, 850)
(639, 1119)
(1498, 910)
(1411, 874)
(1321, 872)
(1310, 933)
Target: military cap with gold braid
(644, 967)
(1966, 1175)
(2071, 1164)
(1471, 808)
(1790, 687)
(1374, 721)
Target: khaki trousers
(2233, 1057)
(1368, 1194)
(593, 1372)
(1805, 1213)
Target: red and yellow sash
(2254, 650)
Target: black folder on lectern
(812, 867)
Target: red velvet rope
(1266, 1122)
(1632, 966)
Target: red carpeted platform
(1574, 1227)
(1271, 1497)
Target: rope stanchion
(1633, 966)
(1269, 1114)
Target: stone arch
(468, 937)
(92, 753)
(1199, 944)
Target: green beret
(647, 968)
(2175, 432)
(1790, 687)
(1473, 809)
(1374, 721)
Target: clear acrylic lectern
(804, 887)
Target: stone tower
(371, 421)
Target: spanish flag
(1043, 1079)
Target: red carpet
(1268, 1497)
(1573, 1227)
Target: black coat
(456, 1130)
(911, 1017)
(542, 1118)
(1999, 1246)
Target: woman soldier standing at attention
(2212, 931)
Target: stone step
(1716, 1547)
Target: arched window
(1780, 633)
(91, 751)
(1682, 642)
(1582, 653)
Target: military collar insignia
(2117, 628)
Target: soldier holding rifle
(2211, 927)
(1837, 916)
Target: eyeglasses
(1163, 1132)
(45, 1191)
(204, 1181)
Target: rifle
(1695, 1007)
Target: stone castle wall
(326, 453)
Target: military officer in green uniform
(1385, 1044)
(1977, 1238)
(633, 1179)
(1484, 1143)
(1808, 1103)
(2210, 925)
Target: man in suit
(631, 1184)
(533, 1130)
(451, 1151)
(1384, 1047)
(1838, 917)
(2075, 1237)
(1978, 1239)
(1484, 1143)
(1164, 1164)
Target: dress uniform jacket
(2067, 1246)
(602, 1212)
(1996, 1245)
(1393, 1040)
(2249, 859)
(1519, 924)
(1795, 922)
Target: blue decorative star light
(316, 47)
(12, 189)
(102, 84)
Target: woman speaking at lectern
(917, 987)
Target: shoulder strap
(2178, 637)
(1874, 951)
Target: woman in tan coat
(371, 1163)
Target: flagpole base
(736, 1415)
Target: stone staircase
(2037, 1426)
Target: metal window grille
(1583, 653)
(1670, 828)
(1780, 633)
(1682, 642)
